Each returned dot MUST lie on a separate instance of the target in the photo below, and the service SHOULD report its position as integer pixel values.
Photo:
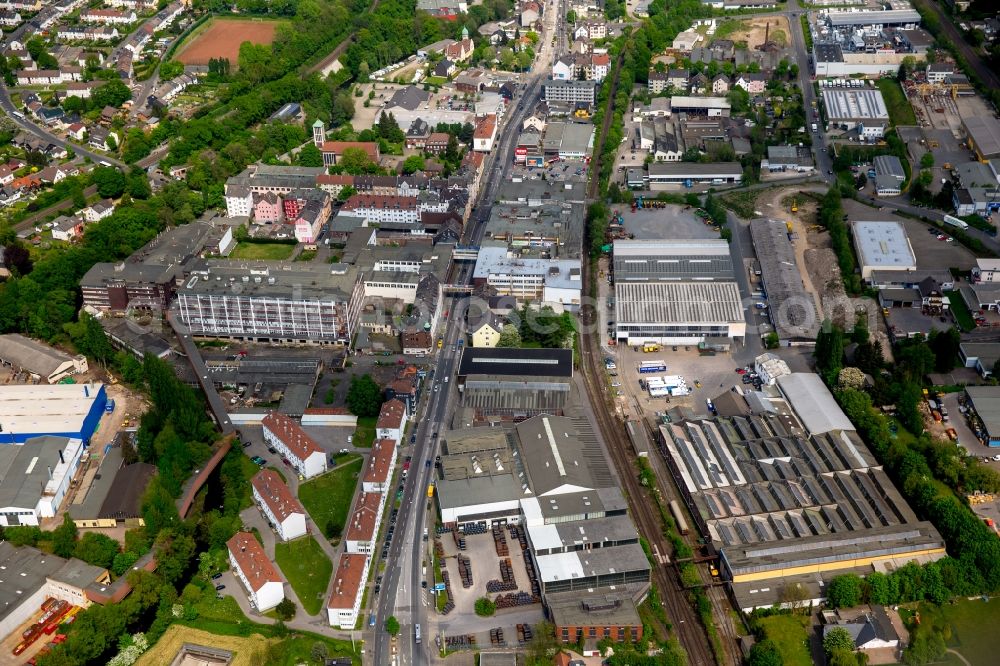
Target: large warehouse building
(34, 478)
(676, 292)
(59, 410)
(793, 311)
(882, 246)
(37, 359)
(549, 474)
(788, 509)
(861, 108)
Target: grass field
(790, 633)
(266, 251)
(246, 651)
(961, 311)
(900, 111)
(307, 569)
(364, 433)
(970, 635)
(221, 620)
(328, 498)
(221, 38)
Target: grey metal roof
(30, 355)
(889, 165)
(681, 169)
(813, 403)
(677, 302)
(558, 452)
(681, 259)
(882, 17)
(22, 572)
(25, 469)
(478, 490)
(986, 402)
(783, 281)
(516, 362)
(883, 245)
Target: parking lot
(669, 222)
(705, 376)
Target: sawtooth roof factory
(790, 505)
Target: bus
(652, 366)
(675, 509)
(416, 634)
(955, 222)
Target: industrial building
(984, 412)
(30, 576)
(515, 362)
(114, 497)
(676, 292)
(700, 106)
(672, 175)
(790, 510)
(35, 477)
(553, 282)
(882, 246)
(678, 313)
(861, 108)
(549, 474)
(59, 410)
(302, 304)
(792, 309)
(889, 175)
(983, 134)
(39, 360)
(813, 403)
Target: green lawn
(437, 80)
(970, 635)
(791, 634)
(224, 617)
(961, 311)
(900, 111)
(270, 251)
(328, 498)
(307, 569)
(364, 434)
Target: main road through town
(402, 595)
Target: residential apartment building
(378, 472)
(294, 444)
(108, 16)
(265, 586)
(392, 420)
(283, 512)
(348, 588)
(363, 524)
(117, 287)
(383, 208)
(569, 92)
(485, 134)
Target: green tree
(97, 549)
(837, 638)
(772, 341)
(485, 607)
(110, 181)
(364, 397)
(310, 156)
(158, 508)
(412, 164)
(927, 160)
(945, 344)
(844, 591)
(64, 538)
(509, 336)
(319, 652)
(765, 653)
(171, 70)
(285, 609)
(355, 161)
(174, 552)
(392, 625)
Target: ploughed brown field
(222, 39)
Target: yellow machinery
(795, 205)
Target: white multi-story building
(392, 421)
(294, 444)
(986, 270)
(35, 477)
(265, 586)
(108, 16)
(378, 473)
(239, 201)
(363, 524)
(278, 505)
(383, 208)
(348, 588)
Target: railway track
(686, 625)
(609, 112)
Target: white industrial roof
(673, 247)
(559, 566)
(813, 403)
(544, 537)
(854, 104)
(883, 245)
(27, 409)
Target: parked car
(216, 576)
(220, 587)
